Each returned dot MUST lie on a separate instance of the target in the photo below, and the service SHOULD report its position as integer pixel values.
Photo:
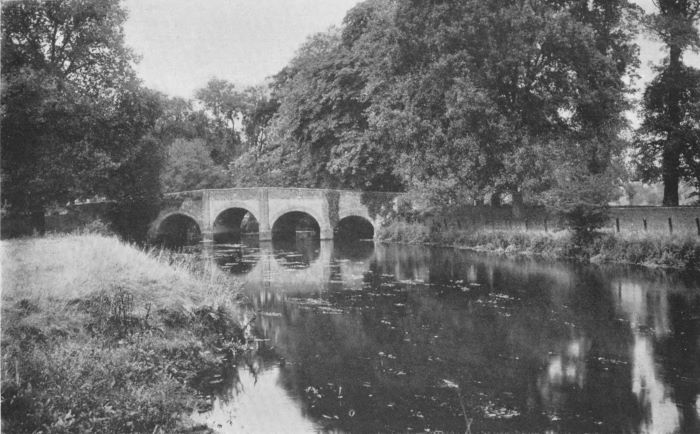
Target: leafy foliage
(669, 139)
(454, 100)
(189, 167)
(74, 118)
(320, 132)
(582, 199)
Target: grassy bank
(639, 248)
(101, 336)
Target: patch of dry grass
(54, 271)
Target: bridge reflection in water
(361, 338)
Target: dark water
(376, 338)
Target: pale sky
(184, 43)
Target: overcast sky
(183, 43)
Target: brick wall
(684, 220)
(629, 219)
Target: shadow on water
(374, 338)
(238, 257)
(295, 252)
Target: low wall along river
(682, 220)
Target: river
(363, 337)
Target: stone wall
(684, 220)
(495, 218)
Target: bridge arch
(355, 212)
(178, 229)
(232, 222)
(354, 227)
(294, 220)
(324, 229)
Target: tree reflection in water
(365, 341)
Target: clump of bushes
(96, 227)
(645, 249)
(401, 231)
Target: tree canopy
(456, 99)
(75, 120)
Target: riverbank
(682, 252)
(101, 336)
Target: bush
(96, 227)
(403, 232)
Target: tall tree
(488, 89)
(223, 106)
(320, 129)
(188, 166)
(670, 131)
(458, 99)
(260, 107)
(74, 117)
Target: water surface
(375, 338)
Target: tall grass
(662, 250)
(648, 249)
(99, 335)
(58, 269)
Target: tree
(259, 109)
(320, 128)
(456, 99)
(490, 88)
(188, 166)
(180, 120)
(670, 131)
(74, 118)
(223, 106)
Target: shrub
(96, 227)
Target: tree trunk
(518, 206)
(37, 221)
(670, 165)
(671, 161)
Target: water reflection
(666, 352)
(257, 403)
(363, 337)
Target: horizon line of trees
(453, 101)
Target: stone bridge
(215, 214)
